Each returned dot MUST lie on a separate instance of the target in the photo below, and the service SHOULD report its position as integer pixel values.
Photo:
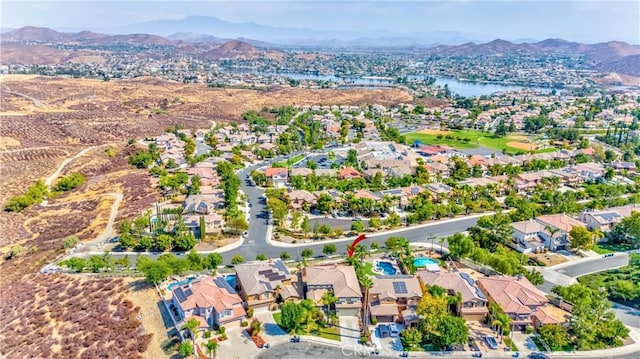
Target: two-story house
(473, 303)
(517, 297)
(605, 219)
(393, 298)
(262, 283)
(211, 301)
(279, 176)
(341, 281)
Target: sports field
(472, 139)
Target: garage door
(348, 312)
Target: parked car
(384, 330)
(393, 330)
(491, 342)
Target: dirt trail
(35, 101)
(64, 163)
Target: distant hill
(46, 35)
(235, 49)
(17, 53)
(613, 56)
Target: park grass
(290, 162)
(331, 333)
(604, 248)
(476, 138)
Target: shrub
(222, 337)
(528, 329)
(249, 312)
(244, 323)
(69, 242)
(221, 329)
(69, 182)
(207, 334)
(374, 321)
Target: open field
(45, 121)
(456, 139)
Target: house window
(265, 295)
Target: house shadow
(273, 329)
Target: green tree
(213, 260)
(154, 271)
(285, 256)
(375, 223)
(212, 347)
(329, 249)
(630, 226)
(556, 336)
(411, 338)
(307, 253)
(76, 264)
(296, 216)
(357, 226)
(452, 330)
(278, 208)
(96, 263)
(237, 259)
(196, 262)
(460, 245)
(69, 182)
(291, 316)
(185, 240)
(306, 225)
(325, 203)
(261, 257)
(185, 349)
(237, 224)
(581, 238)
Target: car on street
(244, 234)
(491, 342)
(393, 330)
(535, 355)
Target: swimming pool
(423, 261)
(385, 267)
(231, 279)
(180, 283)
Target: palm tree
(192, 325)
(552, 231)
(502, 321)
(455, 300)
(328, 299)
(597, 235)
(361, 252)
(212, 347)
(366, 284)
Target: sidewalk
(271, 242)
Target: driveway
(271, 331)
(349, 331)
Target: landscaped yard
(332, 332)
(368, 268)
(290, 162)
(604, 248)
(541, 347)
(475, 139)
(621, 284)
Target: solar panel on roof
(188, 292)
(265, 271)
(480, 294)
(400, 287)
(180, 295)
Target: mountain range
(613, 56)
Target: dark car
(535, 355)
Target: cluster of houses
(224, 300)
(551, 232)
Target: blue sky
(587, 21)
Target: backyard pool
(423, 262)
(180, 283)
(231, 279)
(385, 267)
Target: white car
(393, 330)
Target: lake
(462, 88)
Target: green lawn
(604, 248)
(510, 345)
(289, 162)
(476, 138)
(538, 343)
(332, 332)
(368, 268)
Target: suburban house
(262, 283)
(605, 219)
(517, 297)
(526, 236)
(298, 198)
(348, 173)
(557, 228)
(279, 176)
(473, 305)
(393, 298)
(341, 280)
(211, 301)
